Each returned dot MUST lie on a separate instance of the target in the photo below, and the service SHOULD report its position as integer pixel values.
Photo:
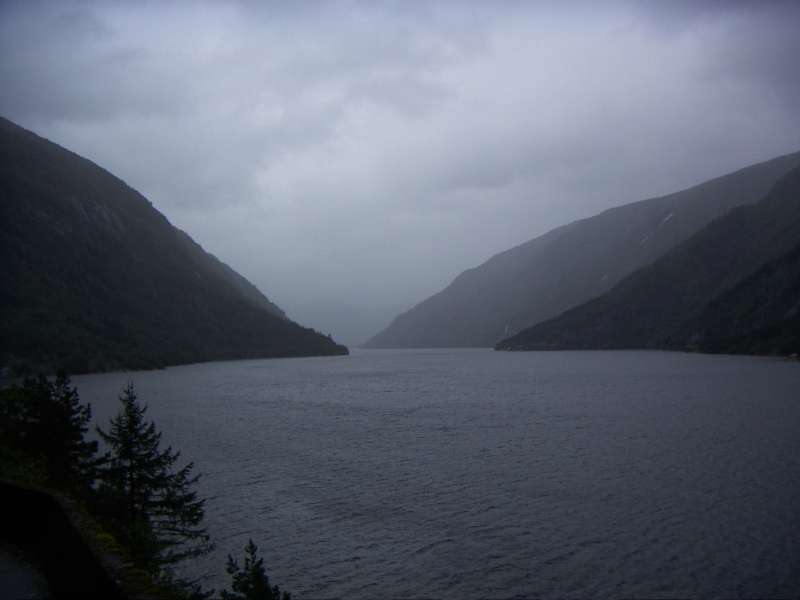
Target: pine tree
(250, 582)
(46, 420)
(72, 458)
(154, 509)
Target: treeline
(134, 488)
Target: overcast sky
(351, 158)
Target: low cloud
(352, 158)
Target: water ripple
(471, 474)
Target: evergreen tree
(45, 420)
(72, 459)
(152, 507)
(250, 581)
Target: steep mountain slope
(760, 315)
(647, 308)
(95, 278)
(544, 277)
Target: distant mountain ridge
(567, 266)
(728, 288)
(95, 278)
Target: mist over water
(467, 474)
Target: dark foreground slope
(544, 277)
(94, 278)
(672, 302)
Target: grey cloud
(351, 158)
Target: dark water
(470, 474)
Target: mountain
(684, 294)
(94, 278)
(567, 266)
(760, 315)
